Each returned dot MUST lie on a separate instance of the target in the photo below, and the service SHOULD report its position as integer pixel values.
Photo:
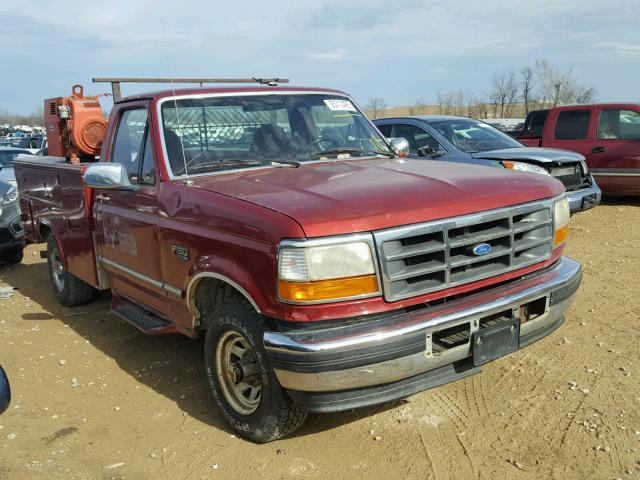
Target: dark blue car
(462, 139)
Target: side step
(142, 319)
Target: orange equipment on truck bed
(75, 125)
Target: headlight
(326, 270)
(561, 216)
(524, 167)
(585, 169)
(11, 196)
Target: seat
(270, 141)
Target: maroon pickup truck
(326, 270)
(607, 134)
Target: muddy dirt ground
(96, 399)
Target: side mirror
(108, 176)
(5, 391)
(400, 146)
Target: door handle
(102, 197)
(598, 150)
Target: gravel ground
(96, 399)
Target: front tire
(243, 384)
(69, 289)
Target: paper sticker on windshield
(344, 105)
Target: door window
(385, 130)
(416, 137)
(127, 147)
(618, 124)
(535, 123)
(573, 125)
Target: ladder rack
(117, 95)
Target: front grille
(428, 257)
(571, 176)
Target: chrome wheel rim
(238, 372)
(57, 269)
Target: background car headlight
(9, 197)
(561, 216)
(524, 167)
(585, 168)
(319, 273)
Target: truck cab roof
(156, 95)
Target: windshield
(7, 157)
(223, 133)
(471, 136)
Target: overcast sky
(398, 50)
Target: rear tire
(69, 289)
(243, 383)
(12, 256)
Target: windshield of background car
(7, 157)
(212, 134)
(471, 136)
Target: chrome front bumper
(400, 346)
(584, 199)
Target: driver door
(126, 221)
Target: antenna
(175, 106)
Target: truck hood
(348, 196)
(538, 155)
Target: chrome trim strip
(152, 281)
(538, 284)
(615, 172)
(334, 240)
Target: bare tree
(376, 107)
(526, 77)
(585, 94)
(504, 92)
(455, 103)
(35, 118)
(558, 87)
(445, 103)
(420, 107)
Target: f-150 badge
(181, 252)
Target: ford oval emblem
(481, 249)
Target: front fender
(227, 271)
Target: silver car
(7, 156)
(11, 231)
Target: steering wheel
(320, 140)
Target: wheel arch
(46, 228)
(197, 280)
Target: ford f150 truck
(607, 134)
(326, 270)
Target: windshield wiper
(293, 163)
(338, 151)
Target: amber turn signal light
(334, 289)
(560, 236)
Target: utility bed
(53, 199)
